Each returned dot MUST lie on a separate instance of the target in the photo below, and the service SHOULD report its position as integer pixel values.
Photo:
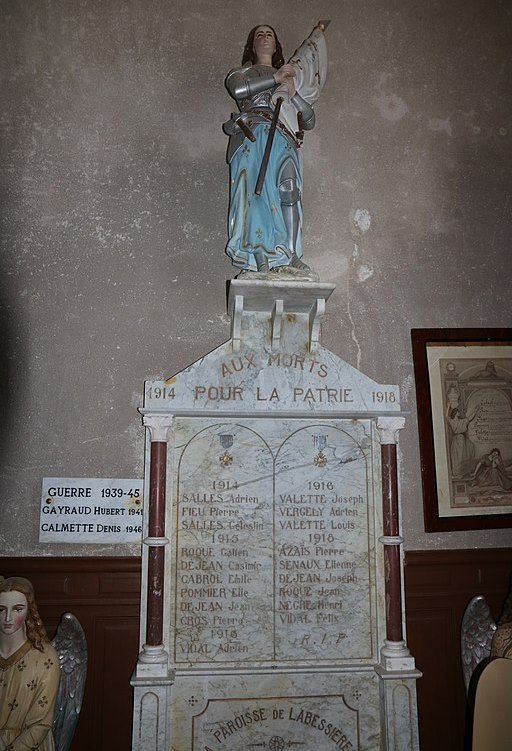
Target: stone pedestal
(272, 609)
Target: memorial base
(371, 709)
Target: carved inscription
(321, 536)
(272, 536)
(254, 380)
(224, 546)
(320, 722)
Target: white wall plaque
(90, 510)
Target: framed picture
(464, 400)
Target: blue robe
(256, 222)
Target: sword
(268, 147)
(299, 134)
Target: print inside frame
(464, 403)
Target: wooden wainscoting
(438, 586)
(104, 594)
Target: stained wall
(113, 200)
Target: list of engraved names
(272, 541)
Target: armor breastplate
(258, 101)
(255, 109)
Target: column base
(395, 657)
(399, 712)
(153, 662)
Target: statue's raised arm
(275, 107)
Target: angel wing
(71, 646)
(477, 630)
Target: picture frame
(464, 406)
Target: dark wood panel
(430, 642)
(438, 586)
(112, 636)
(104, 594)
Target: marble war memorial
(272, 610)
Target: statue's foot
(261, 261)
(298, 263)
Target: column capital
(388, 428)
(158, 426)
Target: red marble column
(391, 540)
(153, 648)
(156, 542)
(388, 428)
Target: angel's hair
(36, 632)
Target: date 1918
(384, 397)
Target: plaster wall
(113, 201)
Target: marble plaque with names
(273, 528)
(91, 510)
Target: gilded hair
(36, 632)
(249, 56)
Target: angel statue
(275, 102)
(37, 695)
(482, 639)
